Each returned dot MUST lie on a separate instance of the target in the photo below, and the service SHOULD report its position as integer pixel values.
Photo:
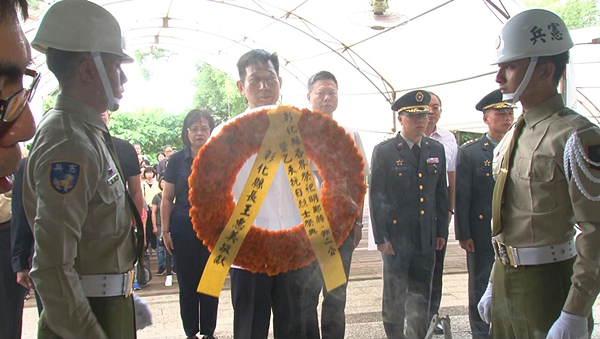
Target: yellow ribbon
(282, 142)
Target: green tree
(575, 13)
(152, 128)
(151, 59)
(218, 92)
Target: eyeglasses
(435, 109)
(11, 108)
(196, 130)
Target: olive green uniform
(540, 207)
(81, 222)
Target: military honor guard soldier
(409, 213)
(74, 190)
(543, 284)
(474, 186)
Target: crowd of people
(87, 209)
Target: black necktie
(416, 151)
(136, 215)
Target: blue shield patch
(64, 176)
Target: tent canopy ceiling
(445, 46)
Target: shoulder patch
(593, 152)
(64, 176)
(470, 142)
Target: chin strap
(516, 96)
(113, 103)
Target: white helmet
(531, 34)
(80, 26)
(83, 26)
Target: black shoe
(161, 271)
(438, 329)
(209, 337)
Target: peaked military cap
(493, 100)
(414, 102)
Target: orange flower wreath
(263, 251)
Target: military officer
(74, 192)
(474, 186)
(409, 212)
(543, 285)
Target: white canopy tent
(446, 46)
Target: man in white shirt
(254, 295)
(446, 138)
(323, 97)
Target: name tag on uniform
(434, 160)
(112, 177)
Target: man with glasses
(474, 186)
(409, 212)
(447, 139)
(16, 125)
(74, 190)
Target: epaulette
(574, 119)
(470, 142)
(387, 139)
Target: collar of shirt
(540, 111)
(410, 143)
(492, 141)
(187, 153)
(79, 110)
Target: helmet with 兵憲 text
(80, 26)
(532, 33)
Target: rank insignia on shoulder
(64, 176)
(593, 152)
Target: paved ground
(363, 310)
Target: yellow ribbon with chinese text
(282, 142)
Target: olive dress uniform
(409, 209)
(474, 187)
(540, 206)
(75, 199)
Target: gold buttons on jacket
(421, 200)
(400, 174)
(395, 222)
(420, 175)
(487, 174)
(422, 212)
(481, 217)
(421, 187)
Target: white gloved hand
(485, 304)
(143, 316)
(569, 326)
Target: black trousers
(11, 293)
(198, 311)
(436, 285)
(333, 316)
(406, 292)
(151, 239)
(254, 295)
(479, 265)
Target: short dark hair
(256, 56)
(167, 146)
(63, 64)
(159, 153)
(560, 62)
(437, 96)
(322, 75)
(9, 9)
(193, 116)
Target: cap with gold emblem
(493, 100)
(414, 102)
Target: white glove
(569, 326)
(143, 316)
(485, 304)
